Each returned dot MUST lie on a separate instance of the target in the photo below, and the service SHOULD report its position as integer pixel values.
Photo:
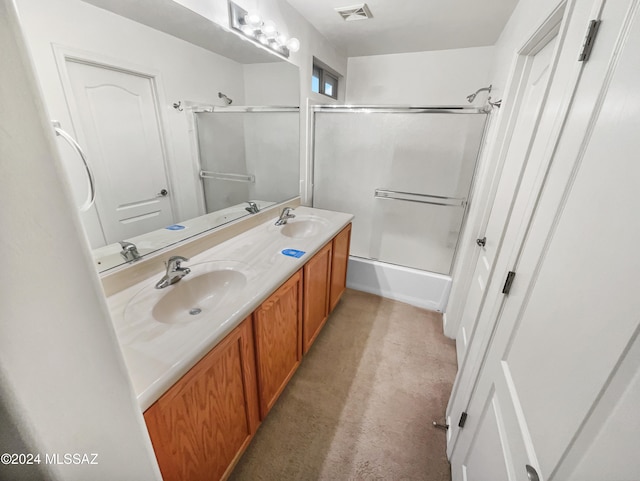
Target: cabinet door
(316, 295)
(201, 426)
(339, 262)
(278, 334)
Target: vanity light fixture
(264, 32)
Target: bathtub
(419, 288)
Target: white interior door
(534, 86)
(571, 318)
(117, 119)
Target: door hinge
(589, 39)
(463, 420)
(507, 284)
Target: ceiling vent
(355, 12)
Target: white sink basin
(303, 226)
(194, 297)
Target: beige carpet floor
(361, 404)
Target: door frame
(62, 54)
(553, 192)
(543, 35)
(465, 382)
(495, 154)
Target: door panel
(583, 327)
(278, 336)
(537, 75)
(117, 120)
(567, 323)
(203, 422)
(480, 463)
(316, 282)
(339, 263)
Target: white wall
(521, 26)
(184, 72)
(443, 77)
(64, 387)
(274, 83)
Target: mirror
(158, 96)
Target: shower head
(226, 99)
(472, 97)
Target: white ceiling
(401, 26)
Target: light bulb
(262, 38)
(293, 44)
(281, 39)
(269, 29)
(247, 30)
(253, 20)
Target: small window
(324, 82)
(316, 79)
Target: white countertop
(157, 354)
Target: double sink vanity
(209, 355)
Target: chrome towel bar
(92, 183)
(420, 198)
(204, 174)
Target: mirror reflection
(163, 123)
(242, 153)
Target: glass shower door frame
(383, 193)
(203, 174)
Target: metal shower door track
(401, 109)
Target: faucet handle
(129, 251)
(175, 261)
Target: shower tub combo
(406, 173)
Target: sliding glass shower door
(248, 153)
(406, 174)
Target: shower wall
(443, 77)
(424, 162)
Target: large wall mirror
(185, 126)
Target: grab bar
(204, 174)
(92, 183)
(420, 198)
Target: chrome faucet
(285, 216)
(253, 208)
(174, 272)
(129, 251)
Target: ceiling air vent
(354, 12)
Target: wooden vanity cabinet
(200, 427)
(339, 261)
(277, 325)
(316, 281)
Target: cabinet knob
(481, 242)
